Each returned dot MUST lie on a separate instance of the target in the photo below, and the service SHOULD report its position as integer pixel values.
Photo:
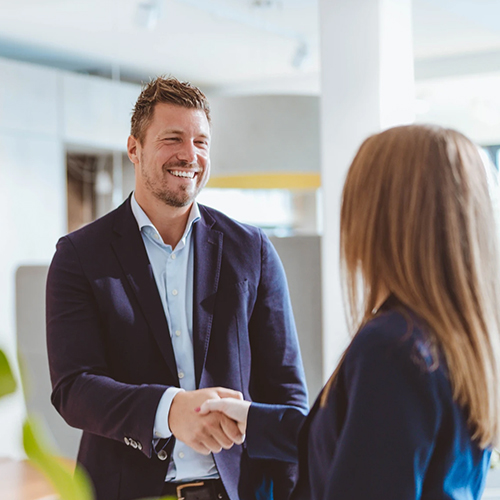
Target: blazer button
(127, 442)
(162, 455)
(139, 446)
(133, 443)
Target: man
(161, 305)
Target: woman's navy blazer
(390, 429)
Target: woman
(412, 410)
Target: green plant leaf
(59, 473)
(7, 380)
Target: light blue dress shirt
(173, 270)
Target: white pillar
(367, 84)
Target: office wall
(96, 112)
(42, 111)
(30, 291)
(301, 258)
(265, 134)
(32, 199)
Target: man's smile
(187, 174)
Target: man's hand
(204, 433)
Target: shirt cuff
(161, 429)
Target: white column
(367, 84)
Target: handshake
(209, 420)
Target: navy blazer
(390, 429)
(111, 357)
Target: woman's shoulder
(396, 333)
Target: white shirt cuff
(161, 429)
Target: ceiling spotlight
(147, 14)
(300, 54)
(264, 3)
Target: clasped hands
(209, 420)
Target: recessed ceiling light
(147, 14)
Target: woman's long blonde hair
(418, 220)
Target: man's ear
(132, 144)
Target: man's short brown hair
(165, 90)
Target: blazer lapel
(131, 253)
(207, 264)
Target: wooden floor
(21, 481)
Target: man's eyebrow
(180, 132)
(171, 131)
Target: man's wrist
(161, 428)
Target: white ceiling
(234, 44)
(453, 27)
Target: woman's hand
(235, 409)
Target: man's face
(173, 163)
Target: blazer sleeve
(278, 375)
(391, 421)
(274, 430)
(84, 393)
(276, 359)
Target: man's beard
(180, 197)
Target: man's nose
(187, 152)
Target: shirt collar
(144, 221)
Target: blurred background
(290, 101)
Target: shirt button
(177, 333)
(180, 374)
(174, 292)
(157, 237)
(173, 256)
(181, 454)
